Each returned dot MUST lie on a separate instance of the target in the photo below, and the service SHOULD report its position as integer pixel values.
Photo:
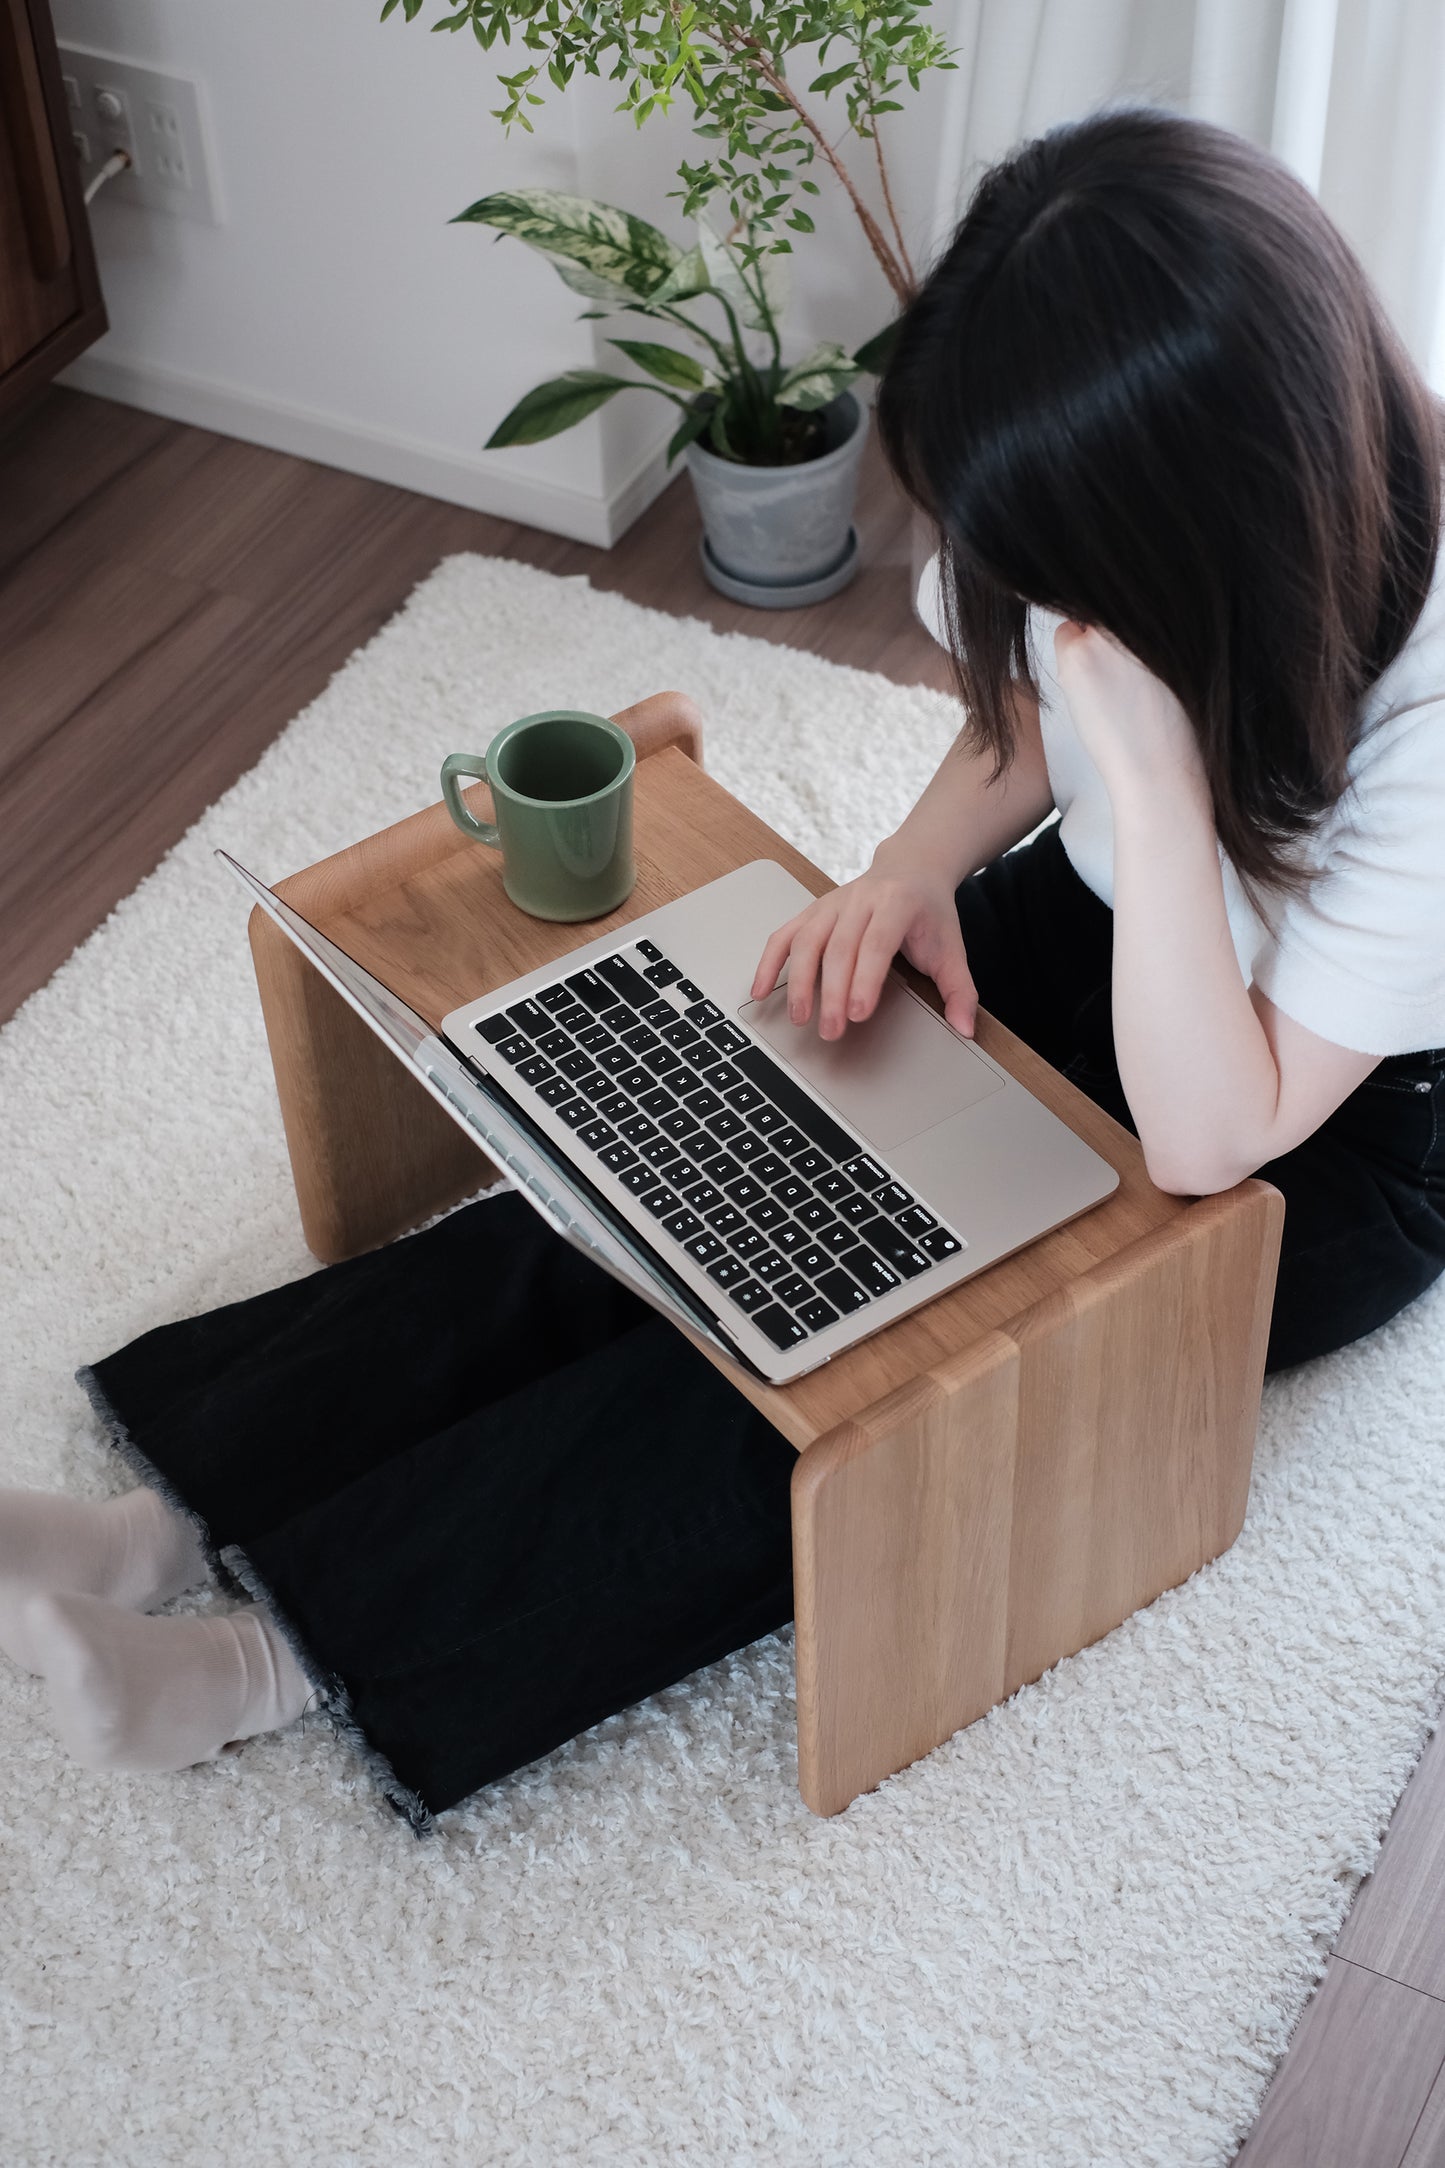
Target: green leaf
(665, 363)
(687, 278)
(817, 380)
(725, 266)
(833, 78)
(556, 405)
(602, 253)
(874, 355)
(688, 431)
(387, 9)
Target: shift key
(866, 1266)
(897, 1248)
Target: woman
(1187, 490)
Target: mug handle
(473, 764)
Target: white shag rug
(1076, 1936)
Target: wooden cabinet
(50, 305)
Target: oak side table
(981, 1489)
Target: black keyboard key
(832, 1185)
(817, 1313)
(812, 1260)
(812, 1213)
(892, 1244)
(727, 1220)
(554, 1043)
(574, 1112)
(614, 1059)
(792, 1192)
(615, 1107)
(494, 1028)
(553, 998)
(749, 1295)
(702, 1195)
(854, 1207)
(594, 1084)
(727, 1038)
(634, 1078)
(702, 1013)
(767, 1215)
(528, 1017)
(658, 1014)
(793, 1290)
(591, 991)
(681, 1035)
(638, 1129)
(657, 1102)
(626, 983)
(617, 1158)
(661, 1152)
(704, 1248)
(771, 1169)
(596, 1134)
(725, 1077)
(777, 1326)
(797, 1104)
(594, 1038)
(789, 1238)
(688, 991)
(790, 1142)
(573, 1018)
(662, 973)
(722, 1168)
(768, 1265)
(704, 1103)
(618, 1018)
(767, 1119)
(642, 1039)
(516, 1048)
(535, 1070)
(892, 1198)
(728, 1271)
(695, 1142)
(913, 1219)
(746, 1191)
(841, 1288)
(810, 1163)
(728, 1126)
(748, 1242)
(663, 1062)
(938, 1243)
(748, 1148)
(639, 1178)
(744, 1097)
(554, 1090)
(877, 1277)
(659, 1202)
(679, 1124)
(835, 1237)
(651, 951)
(576, 1063)
(703, 1057)
(682, 1226)
(865, 1172)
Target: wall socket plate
(115, 104)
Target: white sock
(133, 1550)
(129, 1692)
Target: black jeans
(492, 1498)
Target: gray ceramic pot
(777, 536)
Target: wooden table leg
(961, 1536)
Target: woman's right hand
(844, 943)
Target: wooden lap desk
(981, 1489)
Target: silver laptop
(782, 1195)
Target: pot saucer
(788, 595)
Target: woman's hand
(845, 942)
(1131, 725)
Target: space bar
(797, 1104)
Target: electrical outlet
(157, 119)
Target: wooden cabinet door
(50, 305)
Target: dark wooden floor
(169, 599)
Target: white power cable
(116, 163)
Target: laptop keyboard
(741, 1167)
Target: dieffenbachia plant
(752, 411)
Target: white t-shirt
(1359, 956)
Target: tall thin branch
(903, 255)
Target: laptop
(781, 1195)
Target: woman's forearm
(961, 821)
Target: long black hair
(1148, 386)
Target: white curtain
(1351, 93)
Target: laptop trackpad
(902, 1072)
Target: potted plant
(772, 445)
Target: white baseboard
(358, 450)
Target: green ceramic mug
(561, 788)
